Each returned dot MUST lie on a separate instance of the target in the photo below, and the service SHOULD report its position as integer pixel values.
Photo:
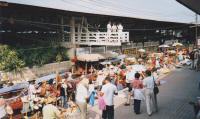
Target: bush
(9, 59)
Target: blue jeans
(64, 101)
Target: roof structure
(191, 4)
(158, 10)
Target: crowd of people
(64, 96)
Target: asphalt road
(180, 87)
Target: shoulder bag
(155, 89)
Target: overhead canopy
(159, 10)
(191, 4)
(18, 86)
(109, 55)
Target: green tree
(9, 60)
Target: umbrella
(177, 44)
(90, 57)
(163, 46)
(139, 68)
(141, 50)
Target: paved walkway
(180, 87)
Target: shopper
(148, 84)
(137, 92)
(129, 79)
(108, 91)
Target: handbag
(155, 89)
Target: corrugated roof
(159, 10)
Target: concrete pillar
(72, 52)
(90, 49)
(62, 28)
(79, 32)
(72, 30)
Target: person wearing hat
(50, 111)
(82, 95)
(108, 90)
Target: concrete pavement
(180, 87)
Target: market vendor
(2, 108)
(42, 89)
(50, 111)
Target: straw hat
(9, 110)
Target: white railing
(102, 38)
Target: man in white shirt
(109, 27)
(148, 84)
(82, 95)
(108, 91)
(114, 28)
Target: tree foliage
(39, 57)
(9, 59)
